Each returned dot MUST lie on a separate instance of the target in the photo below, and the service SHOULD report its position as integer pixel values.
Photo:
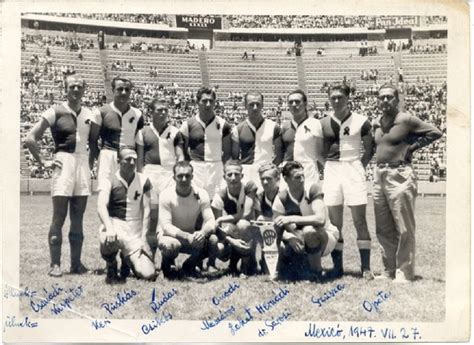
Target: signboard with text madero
(198, 22)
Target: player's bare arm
(102, 203)
(93, 143)
(31, 141)
(369, 149)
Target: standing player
(397, 136)
(118, 125)
(233, 208)
(305, 233)
(256, 140)
(207, 142)
(70, 128)
(186, 222)
(302, 137)
(344, 174)
(162, 148)
(124, 209)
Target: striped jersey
(205, 141)
(70, 130)
(288, 205)
(256, 143)
(300, 140)
(159, 148)
(343, 138)
(117, 129)
(229, 204)
(264, 205)
(125, 201)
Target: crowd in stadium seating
(428, 48)
(73, 44)
(122, 66)
(423, 99)
(159, 47)
(120, 17)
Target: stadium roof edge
(101, 23)
(299, 31)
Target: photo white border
(457, 321)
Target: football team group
(201, 189)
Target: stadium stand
(172, 68)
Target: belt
(392, 164)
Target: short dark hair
(253, 93)
(182, 164)
(119, 78)
(232, 162)
(289, 167)
(299, 92)
(390, 86)
(207, 91)
(341, 87)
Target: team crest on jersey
(168, 137)
(131, 120)
(306, 129)
(88, 122)
(218, 125)
(347, 131)
(137, 194)
(269, 236)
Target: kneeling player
(304, 231)
(233, 208)
(186, 223)
(124, 209)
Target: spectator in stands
(397, 136)
(253, 54)
(70, 186)
(245, 55)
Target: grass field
(423, 300)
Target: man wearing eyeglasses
(397, 136)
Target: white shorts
(129, 239)
(108, 166)
(160, 176)
(333, 237)
(208, 175)
(71, 175)
(250, 172)
(344, 183)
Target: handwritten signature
(374, 305)
(156, 322)
(213, 322)
(12, 322)
(73, 294)
(121, 300)
(328, 295)
(11, 291)
(155, 304)
(50, 295)
(232, 288)
(268, 305)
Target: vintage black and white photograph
(246, 176)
